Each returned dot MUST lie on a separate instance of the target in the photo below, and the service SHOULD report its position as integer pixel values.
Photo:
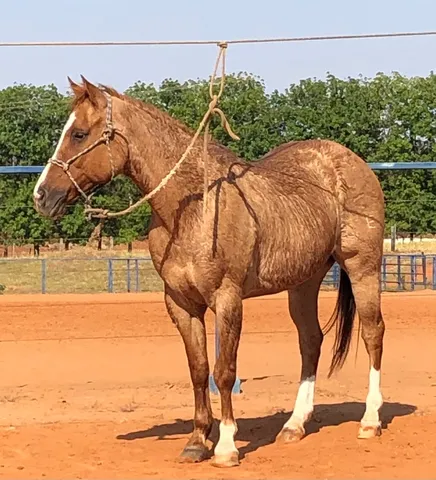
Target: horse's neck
(155, 147)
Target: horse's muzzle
(51, 204)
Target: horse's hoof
(193, 454)
(290, 435)
(226, 461)
(369, 431)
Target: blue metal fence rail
(36, 169)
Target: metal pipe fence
(399, 272)
(79, 275)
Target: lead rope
(204, 124)
(217, 111)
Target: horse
(273, 225)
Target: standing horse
(273, 225)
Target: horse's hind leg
(364, 273)
(303, 307)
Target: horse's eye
(79, 136)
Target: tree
(244, 102)
(19, 223)
(31, 121)
(389, 118)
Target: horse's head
(90, 152)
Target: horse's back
(332, 166)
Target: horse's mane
(156, 113)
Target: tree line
(388, 118)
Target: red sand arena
(98, 387)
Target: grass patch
(426, 246)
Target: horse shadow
(261, 431)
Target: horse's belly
(283, 269)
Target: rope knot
(64, 165)
(108, 131)
(213, 103)
(100, 213)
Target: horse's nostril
(40, 194)
(50, 201)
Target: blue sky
(278, 64)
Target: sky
(278, 65)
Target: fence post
(336, 270)
(212, 385)
(412, 271)
(128, 275)
(424, 270)
(433, 274)
(384, 273)
(399, 271)
(110, 275)
(44, 275)
(137, 275)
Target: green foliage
(18, 218)
(31, 121)
(384, 119)
(117, 196)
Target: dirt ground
(98, 387)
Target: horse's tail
(343, 318)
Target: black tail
(343, 318)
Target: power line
(141, 43)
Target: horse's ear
(95, 95)
(77, 89)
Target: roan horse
(272, 225)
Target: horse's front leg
(229, 321)
(189, 319)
